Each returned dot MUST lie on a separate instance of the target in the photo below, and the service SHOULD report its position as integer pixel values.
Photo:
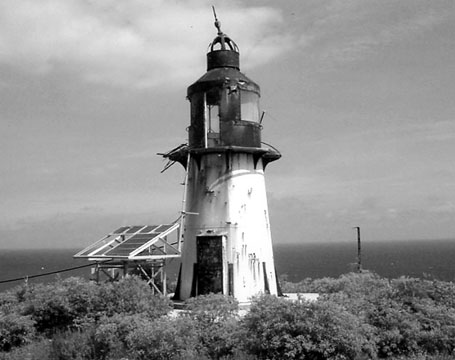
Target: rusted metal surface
(223, 58)
(224, 52)
(221, 76)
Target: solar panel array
(97, 246)
(126, 239)
(131, 244)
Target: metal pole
(359, 251)
(164, 278)
(183, 212)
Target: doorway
(210, 265)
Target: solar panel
(163, 228)
(134, 229)
(121, 230)
(148, 229)
(130, 241)
(129, 245)
(152, 250)
(157, 248)
(107, 246)
(95, 246)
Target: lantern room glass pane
(212, 99)
(197, 128)
(249, 109)
(213, 118)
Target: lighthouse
(227, 244)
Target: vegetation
(357, 316)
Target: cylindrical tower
(227, 241)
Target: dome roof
(223, 51)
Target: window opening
(249, 109)
(213, 118)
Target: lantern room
(224, 102)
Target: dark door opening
(209, 265)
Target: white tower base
(227, 242)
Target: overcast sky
(359, 98)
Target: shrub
(15, 330)
(48, 306)
(215, 319)
(304, 286)
(357, 315)
(164, 339)
(396, 329)
(212, 308)
(65, 304)
(108, 343)
(281, 329)
(100, 340)
(37, 350)
(56, 306)
(436, 333)
(82, 296)
(131, 295)
(111, 333)
(8, 302)
(72, 345)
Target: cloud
(147, 44)
(138, 43)
(348, 31)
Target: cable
(45, 274)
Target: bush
(66, 304)
(37, 350)
(131, 295)
(15, 330)
(8, 302)
(215, 319)
(72, 345)
(111, 334)
(101, 340)
(55, 307)
(49, 307)
(82, 297)
(358, 315)
(164, 339)
(281, 329)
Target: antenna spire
(217, 22)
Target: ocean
(431, 259)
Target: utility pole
(359, 251)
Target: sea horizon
(429, 259)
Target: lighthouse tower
(226, 230)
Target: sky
(358, 97)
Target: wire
(45, 274)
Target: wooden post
(359, 251)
